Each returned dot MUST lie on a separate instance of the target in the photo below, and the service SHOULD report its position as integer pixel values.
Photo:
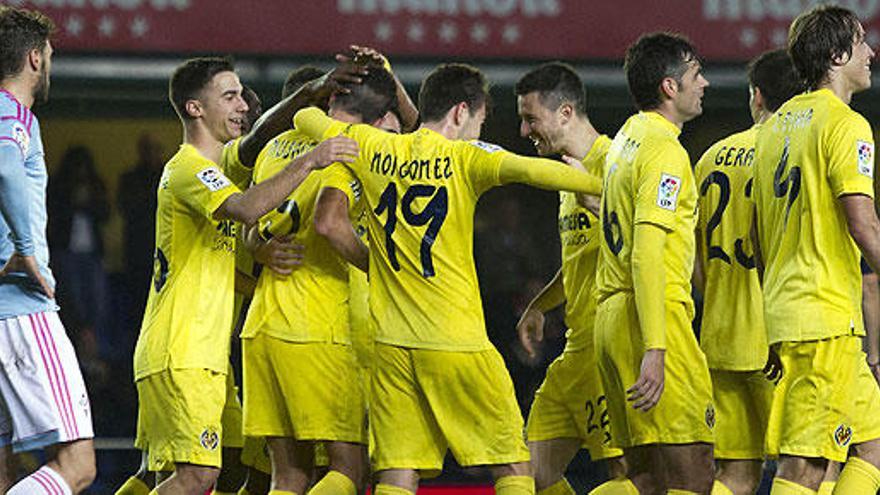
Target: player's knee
(76, 463)
(200, 478)
(869, 452)
(803, 471)
(697, 475)
(515, 469)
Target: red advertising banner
(575, 29)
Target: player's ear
(566, 111)
(758, 98)
(460, 112)
(668, 87)
(35, 59)
(193, 108)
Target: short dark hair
(255, 106)
(774, 74)
(555, 83)
(447, 86)
(650, 60)
(372, 98)
(298, 77)
(21, 31)
(191, 77)
(817, 37)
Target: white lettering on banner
(472, 8)
(104, 4)
(778, 10)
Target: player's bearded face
(539, 124)
(41, 90)
(689, 100)
(857, 69)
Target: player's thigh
(472, 398)
(181, 412)
(404, 434)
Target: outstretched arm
(547, 174)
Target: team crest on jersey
(667, 192)
(21, 136)
(843, 435)
(710, 416)
(865, 153)
(209, 439)
(213, 179)
(488, 147)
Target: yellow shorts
(826, 401)
(571, 404)
(424, 402)
(742, 405)
(179, 415)
(233, 437)
(685, 413)
(307, 391)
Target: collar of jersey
(661, 121)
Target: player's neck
(581, 138)
(18, 88)
(343, 116)
(667, 111)
(202, 140)
(839, 87)
(443, 127)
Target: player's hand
(29, 266)
(530, 329)
(574, 163)
(367, 56)
(280, 254)
(646, 392)
(875, 369)
(336, 149)
(773, 369)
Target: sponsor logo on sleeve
(865, 153)
(667, 192)
(21, 136)
(488, 147)
(213, 179)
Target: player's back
(732, 332)
(20, 130)
(188, 319)
(811, 151)
(320, 286)
(647, 179)
(422, 190)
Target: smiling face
(223, 109)
(543, 126)
(857, 69)
(688, 100)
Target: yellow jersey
(362, 325)
(648, 179)
(422, 190)
(312, 303)
(579, 236)
(732, 333)
(813, 150)
(188, 319)
(237, 172)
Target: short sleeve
(850, 152)
(202, 186)
(230, 163)
(483, 162)
(340, 177)
(659, 181)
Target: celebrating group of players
(769, 225)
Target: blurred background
(108, 130)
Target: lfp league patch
(213, 179)
(865, 152)
(667, 192)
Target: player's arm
(409, 114)
(547, 174)
(698, 278)
(333, 223)
(649, 282)
(531, 324)
(871, 312)
(15, 211)
(245, 284)
(280, 254)
(249, 206)
(588, 201)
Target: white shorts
(43, 399)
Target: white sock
(42, 481)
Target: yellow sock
(215, 492)
(616, 487)
(281, 492)
(719, 488)
(785, 487)
(858, 476)
(383, 489)
(334, 483)
(561, 487)
(827, 487)
(515, 485)
(133, 486)
(675, 491)
(243, 491)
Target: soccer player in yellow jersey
(302, 382)
(181, 357)
(569, 409)
(732, 334)
(813, 189)
(656, 380)
(437, 382)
